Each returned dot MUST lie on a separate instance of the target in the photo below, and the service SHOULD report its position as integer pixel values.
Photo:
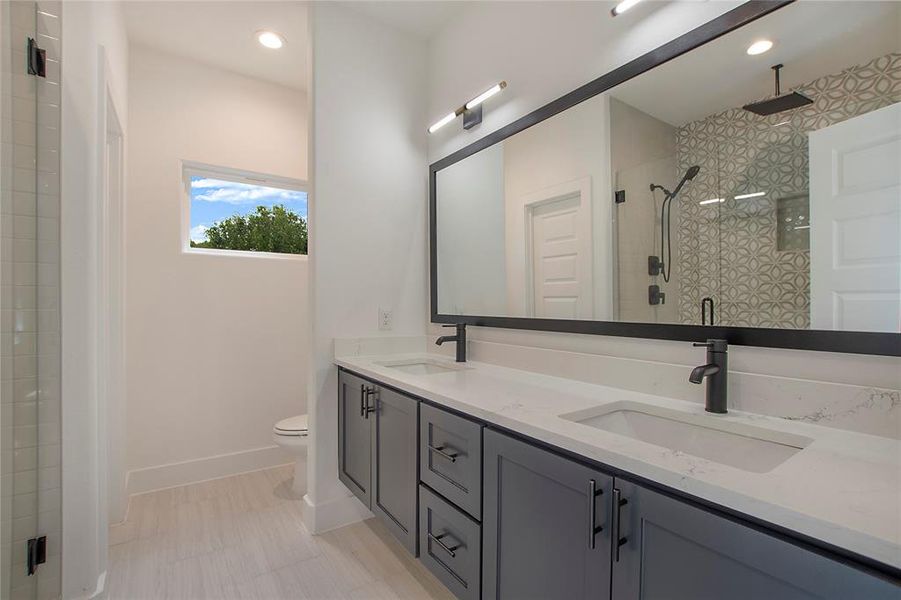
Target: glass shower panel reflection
(29, 300)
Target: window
(243, 212)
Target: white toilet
(291, 434)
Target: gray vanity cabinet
(394, 485)
(377, 437)
(670, 549)
(545, 524)
(354, 434)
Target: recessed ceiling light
(712, 201)
(270, 39)
(759, 47)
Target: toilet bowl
(292, 434)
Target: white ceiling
(811, 39)
(422, 18)
(220, 33)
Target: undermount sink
(422, 366)
(746, 447)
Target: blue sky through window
(214, 200)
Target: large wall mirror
(677, 198)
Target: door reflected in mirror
(692, 194)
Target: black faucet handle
(713, 345)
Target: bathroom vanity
(510, 484)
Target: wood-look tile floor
(242, 538)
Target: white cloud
(230, 192)
(198, 233)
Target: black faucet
(716, 371)
(460, 339)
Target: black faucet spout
(699, 373)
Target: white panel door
(855, 223)
(561, 258)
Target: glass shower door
(30, 509)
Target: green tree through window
(274, 229)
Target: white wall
(86, 28)
(369, 207)
(553, 48)
(471, 239)
(216, 345)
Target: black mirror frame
(885, 344)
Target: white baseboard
(160, 477)
(326, 516)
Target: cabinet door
(545, 526)
(672, 550)
(354, 438)
(394, 464)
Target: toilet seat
(292, 426)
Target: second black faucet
(716, 371)
(460, 339)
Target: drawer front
(450, 545)
(450, 457)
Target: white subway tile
(24, 227)
(47, 228)
(25, 297)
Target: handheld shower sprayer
(666, 250)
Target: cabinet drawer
(450, 457)
(450, 545)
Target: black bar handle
(445, 547)
(440, 451)
(593, 528)
(362, 399)
(367, 392)
(618, 502)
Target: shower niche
(686, 191)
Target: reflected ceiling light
(712, 201)
(270, 39)
(751, 195)
(623, 7)
(471, 111)
(759, 47)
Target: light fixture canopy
(623, 7)
(270, 39)
(471, 111)
(759, 47)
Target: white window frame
(188, 169)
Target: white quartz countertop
(843, 489)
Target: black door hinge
(619, 196)
(37, 553)
(37, 59)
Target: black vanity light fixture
(623, 6)
(471, 111)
